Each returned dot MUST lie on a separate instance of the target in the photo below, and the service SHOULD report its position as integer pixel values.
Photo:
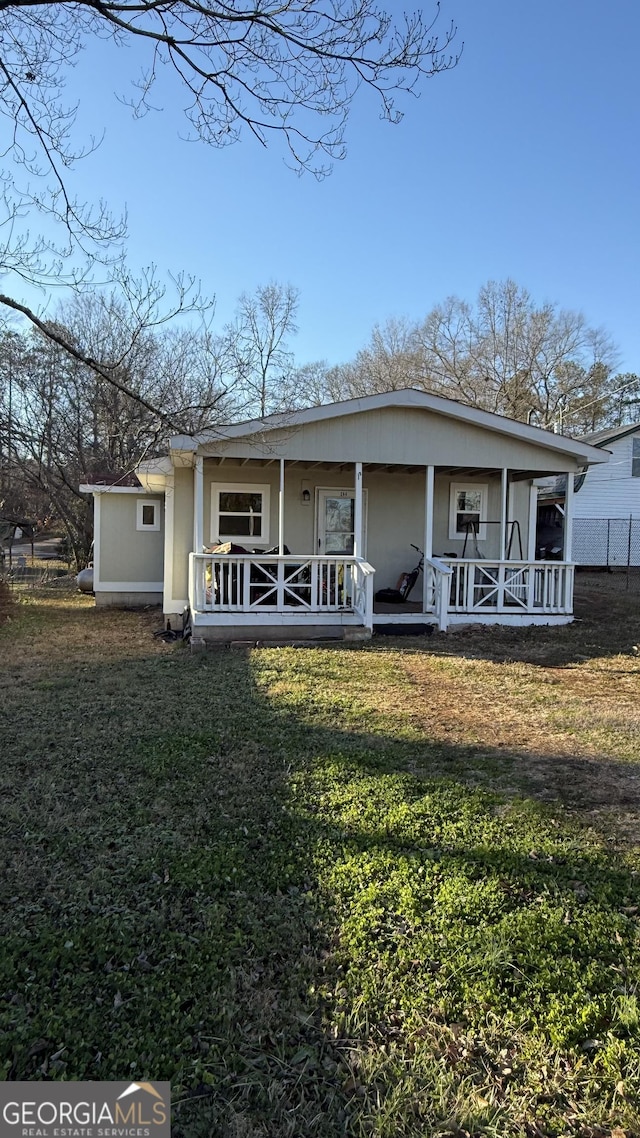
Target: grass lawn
(380, 890)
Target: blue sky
(524, 161)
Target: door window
(336, 522)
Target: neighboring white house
(606, 501)
(321, 508)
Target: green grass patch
(286, 881)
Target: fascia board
(90, 488)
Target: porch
(274, 593)
(256, 590)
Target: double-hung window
(467, 510)
(240, 513)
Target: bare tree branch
(57, 337)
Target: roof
(599, 439)
(126, 478)
(406, 398)
(610, 434)
(557, 487)
(149, 478)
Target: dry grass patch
(57, 624)
(6, 602)
(556, 709)
(513, 706)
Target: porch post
(281, 510)
(198, 504)
(169, 501)
(428, 537)
(504, 487)
(428, 512)
(358, 535)
(568, 519)
(533, 523)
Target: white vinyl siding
(611, 490)
(635, 458)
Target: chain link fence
(613, 543)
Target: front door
(336, 517)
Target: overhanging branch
(56, 337)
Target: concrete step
(276, 637)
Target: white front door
(335, 522)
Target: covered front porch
(345, 533)
(248, 590)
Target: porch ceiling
(389, 468)
(260, 463)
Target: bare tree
(391, 360)
(507, 354)
(259, 344)
(308, 386)
(288, 68)
(68, 424)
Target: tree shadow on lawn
(170, 837)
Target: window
(635, 459)
(147, 514)
(240, 513)
(467, 509)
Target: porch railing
(257, 583)
(438, 576)
(543, 587)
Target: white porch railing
(267, 583)
(438, 576)
(263, 584)
(541, 587)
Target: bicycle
(407, 581)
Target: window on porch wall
(240, 512)
(467, 507)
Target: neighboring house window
(467, 509)
(240, 513)
(147, 515)
(635, 459)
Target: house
(316, 512)
(606, 503)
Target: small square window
(467, 510)
(147, 515)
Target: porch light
(306, 497)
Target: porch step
(403, 628)
(277, 636)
